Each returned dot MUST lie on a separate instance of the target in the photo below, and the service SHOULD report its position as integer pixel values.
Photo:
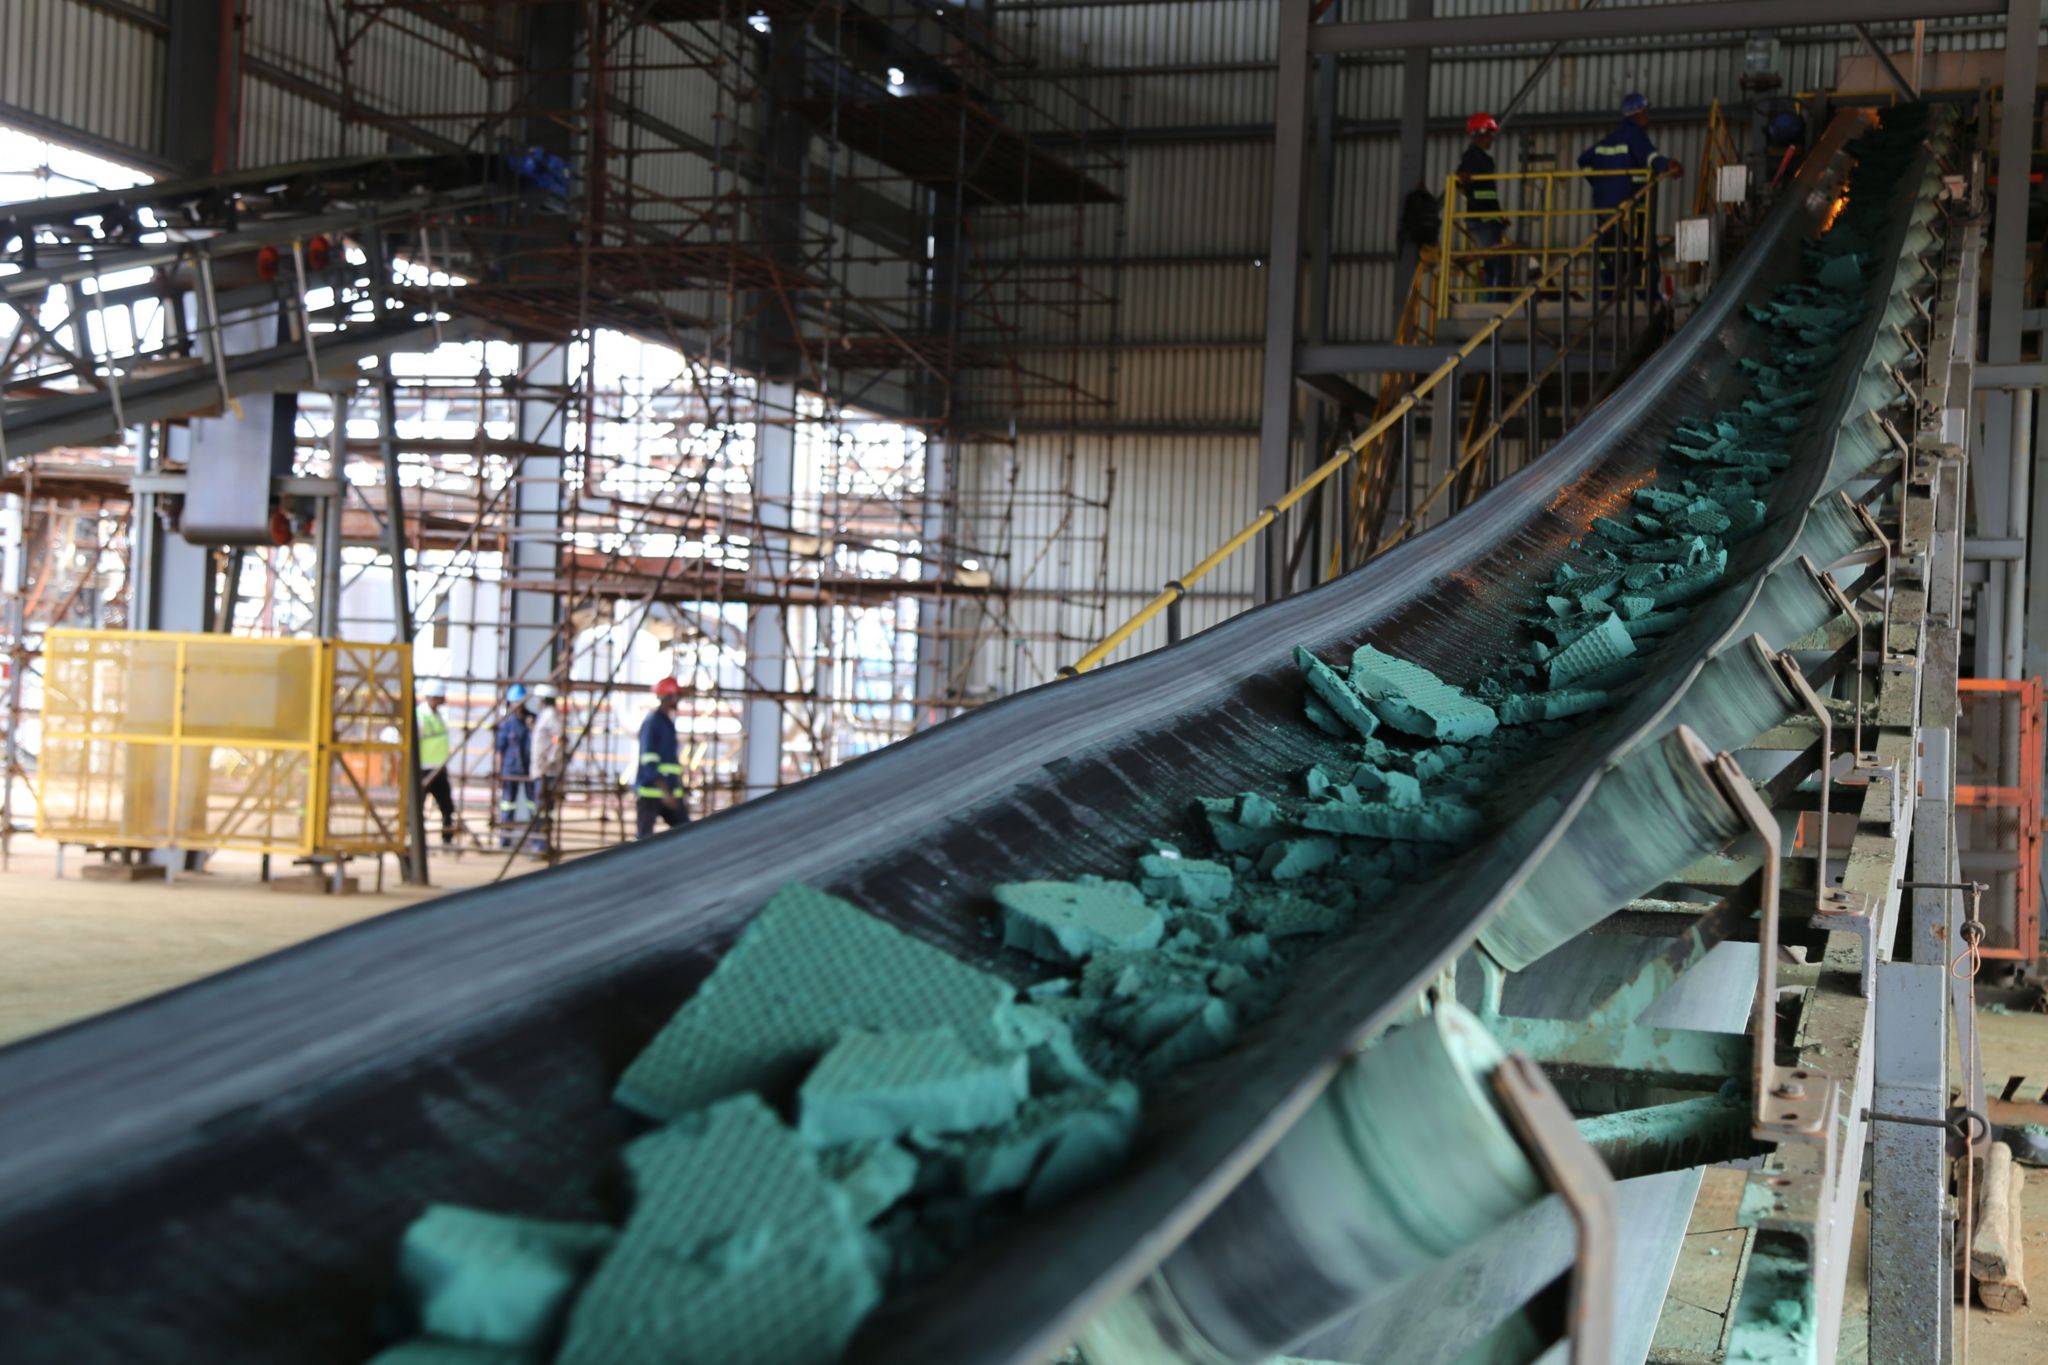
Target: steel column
(1322, 215)
(1996, 500)
(768, 626)
(533, 637)
(413, 866)
(1283, 273)
(1911, 1245)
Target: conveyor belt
(223, 1171)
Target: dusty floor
(71, 948)
(2017, 1045)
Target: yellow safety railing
(1542, 214)
(164, 740)
(1550, 281)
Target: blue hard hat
(516, 692)
(1634, 102)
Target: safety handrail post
(1406, 465)
(1532, 418)
(1564, 351)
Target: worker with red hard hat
(658, 791)
(1484, 224)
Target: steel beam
(194, 48)
(1910, 1243)
(413, 866)
(1646, 21)
(1283, 275)
(1884, 62)
(768, 626)
(1370, 357)
(533, 642)
(2000, 506)
(88, 419)
(2008, 374)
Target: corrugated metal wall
(85, 74)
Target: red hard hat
(667, 687)
(1481, 123)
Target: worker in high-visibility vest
(433, 754)
(658, 790)
(1622, 155)
(1484, 224)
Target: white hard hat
(432, 687)
(544, 692)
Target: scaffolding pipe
(413, 867)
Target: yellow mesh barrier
(156, 740)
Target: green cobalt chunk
(806, 970)
(494, 1279)
(1167, 876)
(1415, 701)
(1336, 694)
(1292, 858)
(1606, 644)
(1437, 821)
(874, 1175)
(882, 1085)
(1068, 921)
(1056, 1145)
(738, 1248)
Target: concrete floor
(71, 948)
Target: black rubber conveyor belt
(222, 1172)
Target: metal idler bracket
(1802, 689)
(1928, 458)
(1835, 909)
(1851, 912)
(1574, 1170)
(1788, 1103)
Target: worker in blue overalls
(1623, 152)
(1486, 227)
(658, 790)
(514, 744)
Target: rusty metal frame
(2023, 800)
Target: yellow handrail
(1322, 472)
(1457, 258)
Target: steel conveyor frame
(225, 1169)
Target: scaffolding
(747, 409)
(867, 281)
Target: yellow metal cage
(160, 740)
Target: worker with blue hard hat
(514, 743)
(1622, 157)
(658, 786)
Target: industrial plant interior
(1023, 682)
